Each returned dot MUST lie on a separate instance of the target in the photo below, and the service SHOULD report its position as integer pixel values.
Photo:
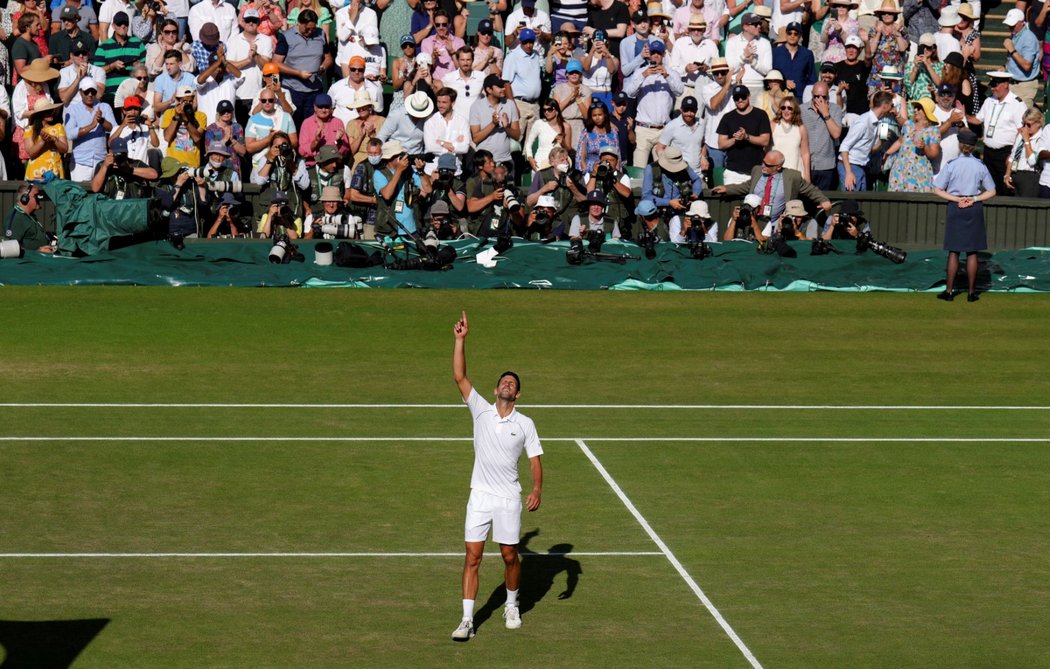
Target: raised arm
(459, 357)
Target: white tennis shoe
(465, 631)
(512, 617)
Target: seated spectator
(45, 141)
(915, 150)
(406, 125)
(119, 177)
(344, 91)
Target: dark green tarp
(734, 266)
(87, 222)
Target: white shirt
(210, 93)
(474, 84)
(712, 116)
(498, 443)
(375, 57)
(1043, 144)
(1002, 120)
(237, 49)
(455, 130)
(347, 31)
(780, 19)
(946, 44)
(539, 22)
(106, 13)
(685, 52)
(68, 74)
(343, 96)
(949, 143)
(754, 72)
(138, 141)
(224, 16)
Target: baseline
(318, 555)
(939, 440)
(793, 407)
(708, 604)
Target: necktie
(769, 191)
(1018, 151)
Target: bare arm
(459, 362)
(532, 502)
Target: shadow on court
(538, 573)
(46, 644)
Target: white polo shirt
(498, 443)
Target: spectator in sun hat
(526, 15)
(656, 88)
(710, 11)
(691, 55)
(406, 124)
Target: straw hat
(966, 11)
(42, 105)
(890, 73)
(927, 107)
(656, 9)
(888, 7)
(362, 99)
(39, 71)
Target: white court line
(319, 555)
(858, 440)
(670, 556)
(793, 407)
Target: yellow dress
(50, 160)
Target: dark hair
(440, 13)
(881, 98)
(450, 93)
(307, 16)
(173, 53)
(509, 373)
(589, 122)
(464, 50)
(166, 23)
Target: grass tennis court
(300, 459)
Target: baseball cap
(656, 46)
(118, 145)
(182, 92)
(645, 208)
(828, 67)
(1013, 17)
(753, 200)
(741, 92)
(323, 100)
(219, 148)
(597, 197)
(133, 102)
(69, 14)
(689, 103)
(752, 20)
(968, 137)
(574, 66)
(224, 107)
(620, 98)
(528, 3)
(493, 80)
(279, 197)
(121, 19)
(271, 69)
(252, 13)
(358, 61)
(408, 39)
(87, 83)
(327, 153)
(608, 150)
(370, 35)
(447, 161)
(485, 27)
(794, 26)
(946, 89)
(527, 35)
(639, 17)
(855, 41)
(850, 207)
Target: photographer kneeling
(607, 178)
(595, 221)
(335, 221)
(651, 228)
(562, 183)
(118, 177)
(280, 219)
(671, 184)
(849, 223)
(792, 226)
(228, 216)
(694, 226)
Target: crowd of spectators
(529, 118)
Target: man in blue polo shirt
(521, 69)
(88, 123)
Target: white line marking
(859, 440)
(793, 407)
(670, 556)
(318, 555)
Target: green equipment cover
(86, 222)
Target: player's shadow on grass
(538, 572)
(46, 644)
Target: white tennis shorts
(486, 511)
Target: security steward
(21, 224)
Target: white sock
(512, 597)
(468, 609)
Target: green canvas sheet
(734, 266)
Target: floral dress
(835, 47)
(589, 148)
(47, 161)
(886, 55)
(920, 88)
(912, 171)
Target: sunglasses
(408, 46)
(170, 32)
(783, 107)
(323, 106)
(441, 25)
(142, 78)
(90, 91)
(265, 100)
(818, 97)
(357, 69)
(741, 98)
(772, 167)
(550, 109)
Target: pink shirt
(443, 63)
(332, 129)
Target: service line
(669, 407)
(816, 438)
(204, 555)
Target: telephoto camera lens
(279, 251)
(11, 248)
(574, 255)
(339, 230)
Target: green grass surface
(818, 553)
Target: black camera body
(745, 216)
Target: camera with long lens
(511, 201)
(695, 238)
(351, 229)
(778, 244)
(541, 225)
(647, 240)
(605, 176)
(284, 252)
(575, 254)
(745, 216)
(822, 247)
(891, 253)
(595, 239)
(11, 248)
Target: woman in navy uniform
(965, 182)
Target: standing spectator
(325, 20)
(422, 22)
(87, 19)
(350, 21)
(183, 128)
(791, 138)
(546, 133)
(920, 18)
(712, 13)
(116, 54)
(303, 57)
(70, 76)
(62, 43)
(264, 125)
(624, 123)
(963, 82)
(574, 99)
(446, 132)
(717, 101)
(169, 81)
(571, 11)
(488, 57)
(853, 79)
(88, 122)
(915, 150)
(45, 141)
(1001, 116)
(969, 35)
(168, 40)
(823, 121)
(656, 89)
(441, 45)
(33, 87)
(179, 11)
(829, 75)
(216, 83)
(219, 13)
(600, 134)
(1043, 144)
(368, 47)
(322, 129)
(107, 11)
(526, 16)
(922, 75)
(24, 49)
(951, 118)
(633, 47)
(744, 134)
(225, 130)
(466, 81)
(494, 122)
(795, 61)
(610, 17)
(1023, 53)
(271, 17)
(945, 38)
(838, 28)
(42, 29)
(249, 52)
(774, 186)
(772, 95)
(599, 68)
(1024, 167)
(686, 132)
(406, 125)
(965, 183)
(558, 59)
(752, 52)
(692, 55)
(886, 43)
(862, 143)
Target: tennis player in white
(500, 435)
